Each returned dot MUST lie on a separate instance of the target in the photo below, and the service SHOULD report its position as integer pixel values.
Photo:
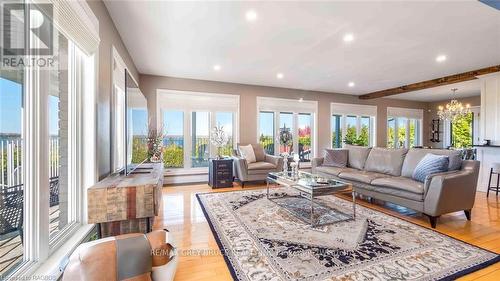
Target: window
(462, 131)
(12, 100)
(404, 127)
(58, 109)
(285, 133)
(353, 124)
(287, 126)
(403, 132)
(173, 141)
(266, 131)
(188, 119)
(43, 171)
(305, 137)
(391, 130)
(200, 139)
(336, 123)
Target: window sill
(54, 266)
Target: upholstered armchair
(258, 170)
(133, 256)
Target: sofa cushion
(357, 156)
(260, 168)
(414, 156)
(260, 153)
(246, 151)
(401, 183)
(430, 164)
(336, 157)
(334, 171)
(360, 176)
(385, 161)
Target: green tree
(363, 139)
(173, 156)
(461, 132)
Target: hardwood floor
(200, 259)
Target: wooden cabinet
(220, 173)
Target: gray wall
(109, 37)
(248, 106)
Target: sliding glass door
(285, 132)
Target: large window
(404, 127)
(47, 138)
(188, 119)
(266, 131)
(12, 179)
(287, 126)
(403, 132)
(352, 124)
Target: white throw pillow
(246, 152)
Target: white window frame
(42, 254)
(359, 111)
(410, 114)
(296, 107)
(189, 102)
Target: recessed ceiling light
(301, 99)
(351, 84)
(216, 67)
(280, 75)
(348, 37)
(440, 58)
(251, 15)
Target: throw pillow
(430, 164)
(260, 153)
(246, 151)
(336, 158)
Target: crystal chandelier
(453, 110)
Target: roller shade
(77, 22)
(405, 112)
(354, 109)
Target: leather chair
(134, 256)
(256, 171)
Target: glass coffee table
(309, 187)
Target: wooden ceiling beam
(461, 77)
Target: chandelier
(453, 110)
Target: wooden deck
(11, 248)
(183, 217)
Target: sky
(139, 122)
(10, 106)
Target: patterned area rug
(262, 240)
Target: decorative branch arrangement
(155, 144)
(219, 138)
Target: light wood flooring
(199, 259)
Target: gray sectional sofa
(386, 174)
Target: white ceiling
(395, 43)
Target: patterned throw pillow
(430, 164)
(336, 158)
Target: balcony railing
(12, 199)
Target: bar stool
(495, 170)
